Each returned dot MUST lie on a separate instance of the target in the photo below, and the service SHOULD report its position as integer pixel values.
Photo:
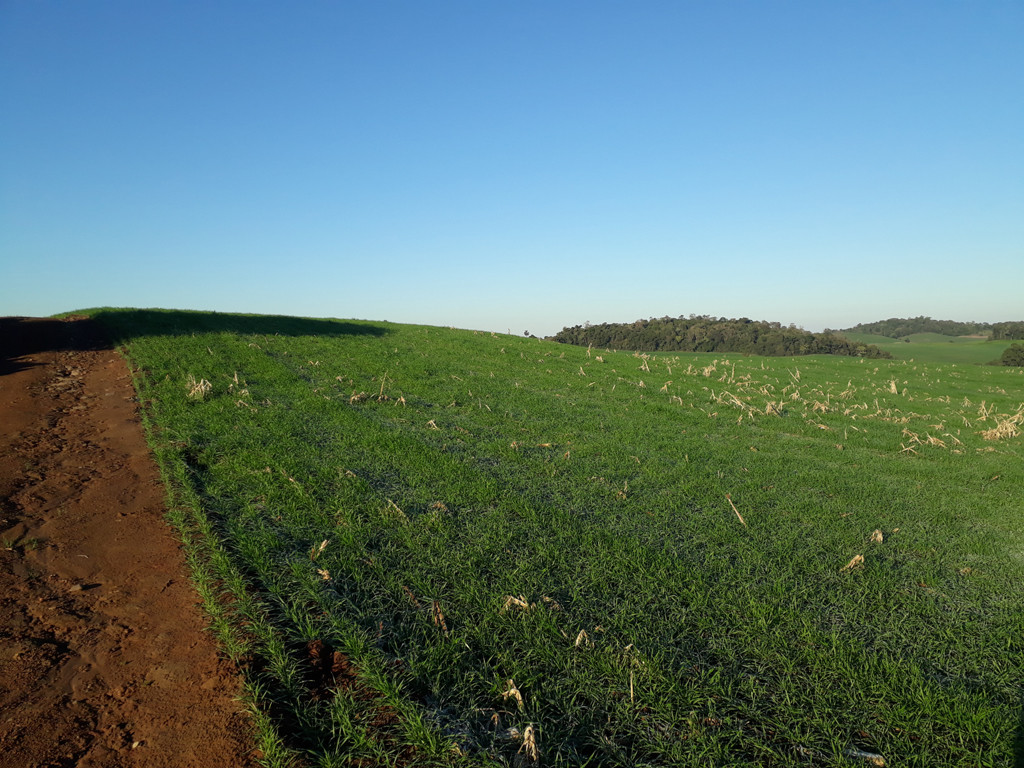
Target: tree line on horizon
(898, 327)
(704, 333)
(1008, 331)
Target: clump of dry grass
(728, 398)
(317, 550)
(529, 748)
(857, 561)
(1005, 428)
(438, 616)
(915, 439)
(516, 602)
(198, 389)
(513, 693)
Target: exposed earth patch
(104, 657)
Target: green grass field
(441, 547)
(936, 348)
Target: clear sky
(515, 165)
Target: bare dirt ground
(104, 659)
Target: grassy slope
(939, 338)
(655, 628)
(936, 348)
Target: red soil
(104, 660)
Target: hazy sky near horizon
(519, 166)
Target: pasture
(430, 546)
(936, 348)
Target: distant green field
(936, 348)
(925, 338)
(870, 338)
(439, 547)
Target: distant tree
(1009, 330)
(1013, 355)
(708, 334)
(898, 327)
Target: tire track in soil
(104, 657)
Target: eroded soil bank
(104, 659)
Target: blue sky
(519, 166)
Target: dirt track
(104, 660)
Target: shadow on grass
(21, 337)
(123, 325)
